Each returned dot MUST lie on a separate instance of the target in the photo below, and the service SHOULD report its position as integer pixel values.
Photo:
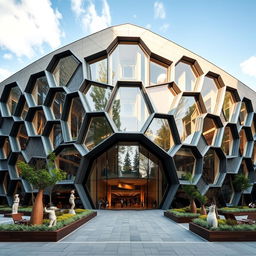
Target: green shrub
(182, 213)
(237, 209)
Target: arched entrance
(126, 176)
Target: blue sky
(222, 31)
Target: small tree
(241, 183)
(203, 200)
(40, 179)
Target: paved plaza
(130, 233)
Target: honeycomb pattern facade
(82, 99)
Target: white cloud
(249, 66)
(164, 27)
(27, 25)
(91, 20)
(159, 11)
(4, 73)
(7, 56)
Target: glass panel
(64, 70)
(185, 77)
(227, 190)
(13, 98)
(227, 141)
(185, 163)
(161, 97)
(243, 142)
(57, 105)
(6, 148)
(24, 111)
(210, 167)
(76, 117)
(56, 135)
(185, 117)
(98, 130)
(158, 73)
(243, 114)
(228, 106)
(129, 110)
(97, 97)
(39, 121)
(40, 90)
(209, 92)
(126, 176)
(127, 62)
(209, 130)
(69, 160)
(22, 137)
(160, 133)
(98, 71)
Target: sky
(221, 31)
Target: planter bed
(44, 236)
(178, 219)
(222, 236)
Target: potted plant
(40, 179)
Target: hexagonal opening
(97, 97)
(75, 117)
(57, 104)
(227, 141)
(128, 109)
(210, 91)
(40, 89)
(22, 136)
(6, 182)
(243, 142)
(161, 97)
(211, 165)
(254, 153)
(24, 110)
(19, 158)
(160, 133)
(39, 121)
(5, 148)
(185, 76)
(227, 190)
(243, 169)
(243, 113)
(228, 105)
(185, 116)
(209, 130)
(185, 163)
(98, 130)
(127, 172)
(55, 136)
(13, 99)
(98, 70)
(68, 160)
(158, 72)
(64, 70)
(128, 62)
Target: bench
(17, 219)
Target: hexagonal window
(243, 169)
(209, 92)
(161, 97)
(185, 76)
(6, 181)
(40, 90)
(99, 70)
(68, 160)
(56, 137)
(13, 98)
(5, 148)
(24, 111)
(254, 153)
(160, 133)
(127, 171)
(253, 127)
(97, 97)
(76, 117)
(128, 62)
(98, 130)
(158, 72)
(243, 113)
(227, 190)
(129, 110)
(185, 163)
(20, 158)
(57, 104)
(227, 141)
(211, 167)
(22, 136)
(185, 116)
(64, 70)
(228, 106)
(39, 121)
(243, 142)
(209, 130)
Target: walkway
(130, 233)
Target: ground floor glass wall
(126, 176)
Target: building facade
(128, 114)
